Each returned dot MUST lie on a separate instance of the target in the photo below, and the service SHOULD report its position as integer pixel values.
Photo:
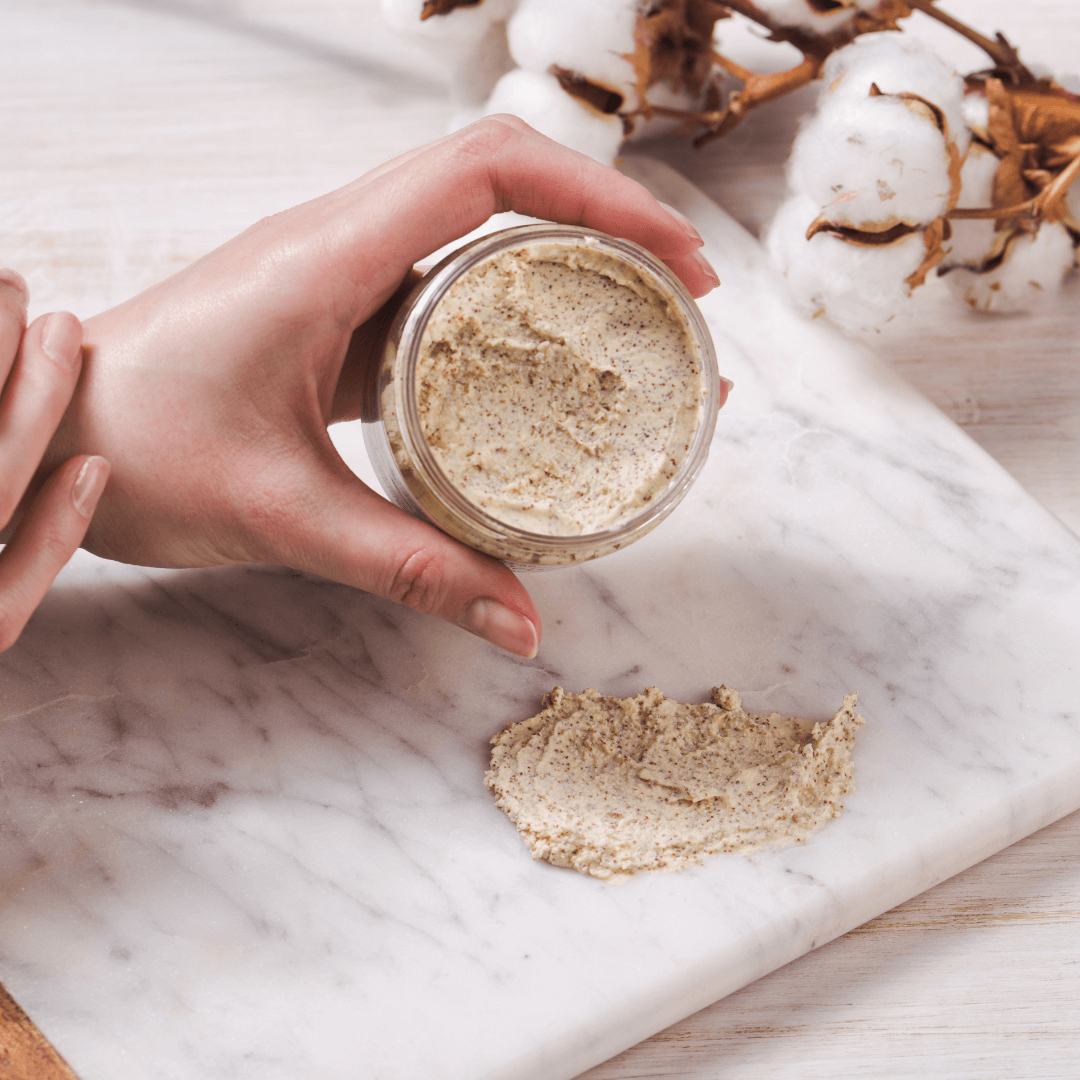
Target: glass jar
(409, 470)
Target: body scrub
(615, 786)
(548, 395)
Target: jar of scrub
(547, 395)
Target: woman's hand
(39, 367)
(211, 393)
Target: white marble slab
(243, 832)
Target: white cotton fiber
(897, 64)
(870, 162)
(859, 289)
(540, 101)
(1029, 276)
(976, 113)
(590, 37)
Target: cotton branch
(1005, 57)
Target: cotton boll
(540, 101)
(591, 38)
(859, 289)
(785, 236)
(799, 14)
(976, 112)
(897, 65)
(894, 61)
(871, 162)
(1028, 277)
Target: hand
(39, 367)
(211, 393)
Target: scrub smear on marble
(616, 786)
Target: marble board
(244, 831)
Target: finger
(364, 353)
(14, 296)
(37, 393)
(726, 386)
(425, 148)
(695, 272)
(347, 532)
(47, 537)
(437, 195)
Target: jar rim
(534, 546)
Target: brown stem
(806, 42)
(741, 73)
(989, 213)
(1000, 51)
(759, 90)
(1038, 207)
(1055, 191)
(686, 114)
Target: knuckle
(483, 139)
(495, 125)
(419, 581)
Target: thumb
(353, 535)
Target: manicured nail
(61, 338)
(17, 283)
(684, 221)
(706, 267)
(504, 628)
(89, 485)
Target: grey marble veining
(243, 828)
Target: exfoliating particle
(615, 786)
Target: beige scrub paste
(615, 786)
(559, 391)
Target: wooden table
(979, 977)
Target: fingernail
(15, 281)
(61, 338)
(706, 267)
(684, 221)
(89, 485)
(726, 386)
(496, 623)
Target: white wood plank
(978, 978)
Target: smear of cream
(558, 390)
(615, 786)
